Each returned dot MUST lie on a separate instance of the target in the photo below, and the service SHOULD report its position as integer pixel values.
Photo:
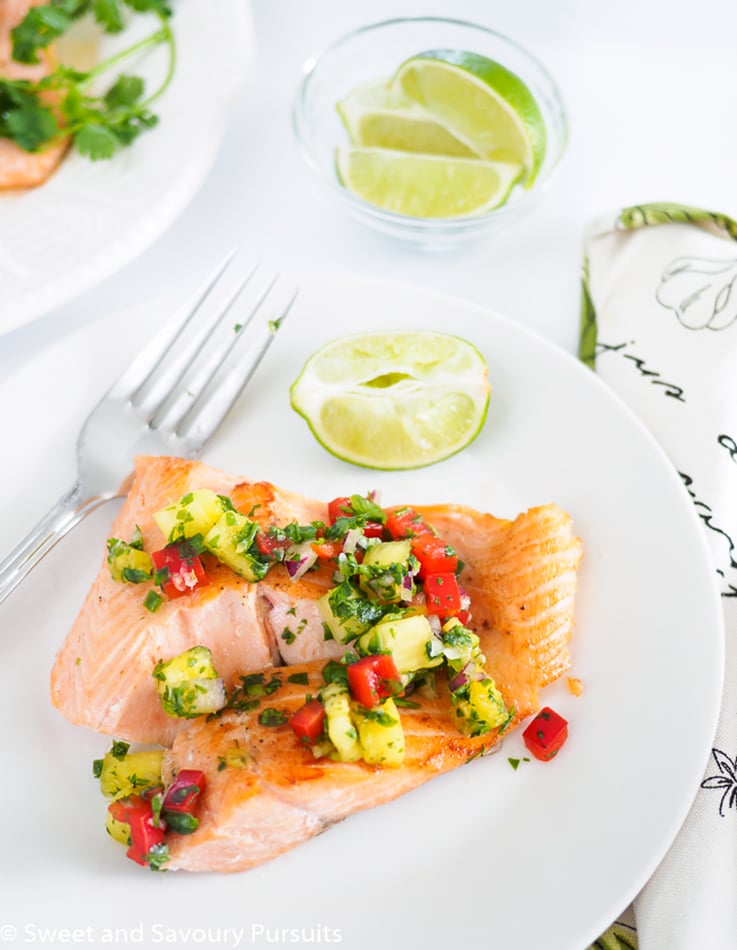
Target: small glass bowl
(376, 51)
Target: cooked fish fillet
(102, 674)
(521, 575)
(20, 169)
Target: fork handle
(69, 510)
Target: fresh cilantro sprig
(43, 25)
(36, 114)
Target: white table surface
(652, 104)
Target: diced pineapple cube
(129, 772)
(343, 629)
(339, 722)
(380, 734)
(409, 639)
(128, 563)
(193, 514)
(388, 566)
(188, 685)
(229, 540)
(478, 708)
(387, 553)
(118, 830)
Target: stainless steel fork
(170, 400)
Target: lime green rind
(506, 85)
(425, 186)
(393, 468)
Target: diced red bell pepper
(434, 555)
(339, 508)
(308, 722)
(373, 678)
(406, 523)
(442, 595)
(184, 573)
(272, 546)
(137, 812)
(184, 792)
(373, 529)
(326, 550)
(546, 734)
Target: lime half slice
(378, 116)
(481, 102)
(425, 186)
(394, 400)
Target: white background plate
(91, 218)
(546, 855)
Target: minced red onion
(299, 559)
(435, 624)
(351, 539)
(405, 591)
(467, 674)
(460, 679)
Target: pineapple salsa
(396, 607)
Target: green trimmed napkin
(659, 325)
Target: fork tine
(204, 417)
(204, 368)
(134, 377)
(210, 314)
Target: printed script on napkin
(659, 325)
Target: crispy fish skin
(266, 793)
(521, 576)
(18, 168)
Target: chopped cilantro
(119, 750)
(158, 856)
(301, 679)
(272, 717)
(334, 672)
(181, 822)
(405, 703)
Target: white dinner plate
(488, 856)
(91, 218)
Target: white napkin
(659, 324)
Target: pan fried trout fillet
(18, 168)
(273, 794)
(521, 576)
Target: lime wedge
(378, 116)
(425, 186)
(394, 400)
(481, 102)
